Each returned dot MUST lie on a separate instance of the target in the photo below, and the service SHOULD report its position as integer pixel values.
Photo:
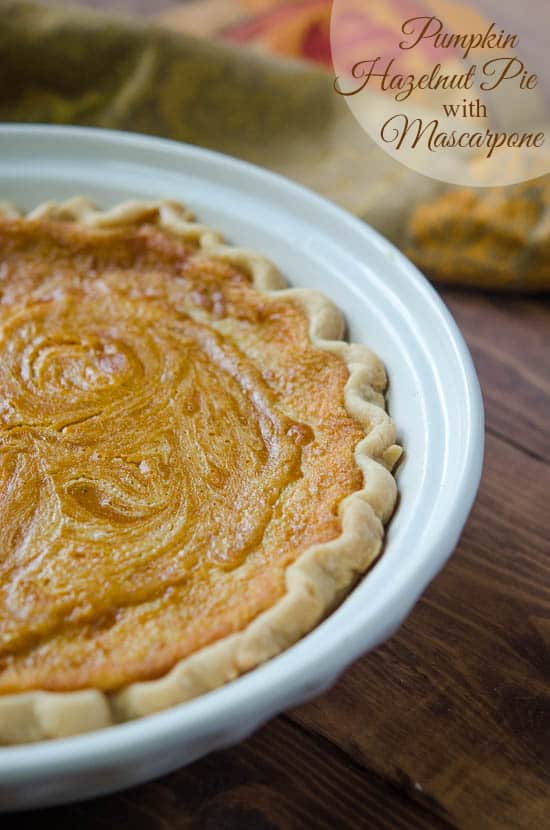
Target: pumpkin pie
(194, 467)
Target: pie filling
(170, 442)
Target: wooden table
(448, 724)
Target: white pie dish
(434, 398)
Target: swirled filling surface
(170, 442)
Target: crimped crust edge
(320, 576)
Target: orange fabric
(301, 28)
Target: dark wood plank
(510, 342)
(280, 778)
(456, 707)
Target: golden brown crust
(317, 579)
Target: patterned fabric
(74, 66)
(301, 28)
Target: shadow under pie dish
(194, 468)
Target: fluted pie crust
(194, 467)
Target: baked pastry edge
(315, 582)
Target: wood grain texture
(510, 343)
(281, 777)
